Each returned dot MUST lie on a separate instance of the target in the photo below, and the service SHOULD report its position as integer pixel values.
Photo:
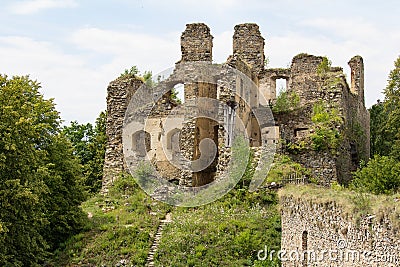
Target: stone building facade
(308, 79)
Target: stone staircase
(157, 239)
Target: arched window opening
(141, 143)
(173, 140)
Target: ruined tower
(248, 44)
(310, 83)
(196, 45)
(119, 93)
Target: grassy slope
(228, 232)
(123, 233)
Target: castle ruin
(312, 86)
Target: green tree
(36, 173)
(62, 176)
(380, 144)
(89, 146)
(392, 109)
(380, 176)
(286, 102)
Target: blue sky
(76, 47)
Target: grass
(228, 232)
(354, 204)
(122, 227)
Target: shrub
(286, 102)
(326, 135)
(380, 176)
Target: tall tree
(89, 146)
(392, 109)
(38, 177)
(380, 145)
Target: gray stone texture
(302, 78)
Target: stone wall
(303, 78)
(249, 45)
(196, 43)
(324, 227)
(119, 93)
(312, 84)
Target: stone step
(156, 241)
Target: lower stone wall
(321, 164)
(328, 233)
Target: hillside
(123, 225)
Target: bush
(228, 232)
(326, 136)
(286, 102)
(380, 176)
(283, 166)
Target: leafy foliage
(326, 135)
(228, 232)
(120, 228)
(62, 177)
(380, 145)
(148, 79)
(89, 146)
(286, 102)
(283, 166)
(324, 66)
(392, 108)
(380, 176)
(39, 177)
(132, 72)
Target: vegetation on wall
(297, 146)
(283, 167)
(354, 205)
(324, 67)
(286, 102)
(326, 136)
(148, 79)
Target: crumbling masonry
(310, 83)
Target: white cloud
(33, 6)
(145, 51)
(79, 90)
(79, 81)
